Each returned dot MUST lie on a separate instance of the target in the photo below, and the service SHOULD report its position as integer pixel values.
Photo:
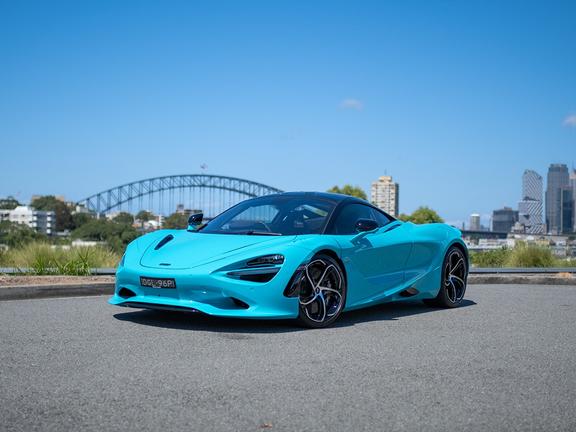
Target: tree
(116, 235)
(124, 218)
(14, 234)
(51, 203)
(176, 221)
(355, 191)
(9, 203)
(422, 215)
(81, 218)
(144, 216)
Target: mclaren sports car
(302, 255)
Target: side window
(346, 221)
(381, 218)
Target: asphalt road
(505, 361)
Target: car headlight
(266, 260)
(260, 269)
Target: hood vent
(164, 241)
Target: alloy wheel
(455, 273)
(321, 293)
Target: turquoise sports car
(303, 255)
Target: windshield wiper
(264, 233)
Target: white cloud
(352, 104)
(570, 120)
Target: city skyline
(531, 187)
(552, 212)
(540, 211)
(454, 100)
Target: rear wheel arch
(462, 248)
(454, 275)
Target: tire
(322, 293)
(454, 280)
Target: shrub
(492, 258)
(42, 259)
(529, 255)
(566, 262)
(522, 255)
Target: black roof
(337, 198)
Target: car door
(374, 260)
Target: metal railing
(529, 270)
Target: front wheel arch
(331, 253)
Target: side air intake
(409, 292)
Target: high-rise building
(385, 195)
(566, 210)
(504, 219)
(530, 207)
(573, 186)
(475, 222)
(558, 180)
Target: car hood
(186, 249)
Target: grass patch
(490, 258)
(42, 259)
(522, 255)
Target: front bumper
(212, 293)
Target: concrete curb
(106, 288)
(63, 290)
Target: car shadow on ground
(201, 322)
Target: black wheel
(454, 277)
(322, 292)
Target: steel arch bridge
(209, 193)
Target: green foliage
(116, 235)
(530, 255)
(176, 221)
(63, 215)
(422, 215)
(491, 258)
(79, 219)
(13, 234)
(144, 216)
(124, 218)
(9, 203)
(3, 255)
(522, 255)
(355, 191)
(45, 259)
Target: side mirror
(365, 225)
(194, 221)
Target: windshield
(275, 215)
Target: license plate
(157, 282)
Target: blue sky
(454, 99)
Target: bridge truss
(209, 193)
